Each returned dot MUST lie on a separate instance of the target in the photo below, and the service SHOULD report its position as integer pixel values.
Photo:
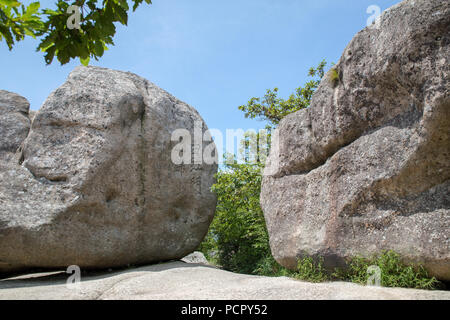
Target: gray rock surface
(14, 123)
(181, 281)
(95, 185)
(195, 257)
(366, 168)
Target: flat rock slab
(181, 281)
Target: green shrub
(394, 272)
(268, 267)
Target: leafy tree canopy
(96, 31)
(238, 239)
(271, 108)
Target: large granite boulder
(366, 168)
(93, 183)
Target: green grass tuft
(334, 77)
(310, 270)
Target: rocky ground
(182, 281)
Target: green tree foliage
(255, 146)
(97, 27)
(238, 239)
(18, 21)
(272, 108)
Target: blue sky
(214, 55)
